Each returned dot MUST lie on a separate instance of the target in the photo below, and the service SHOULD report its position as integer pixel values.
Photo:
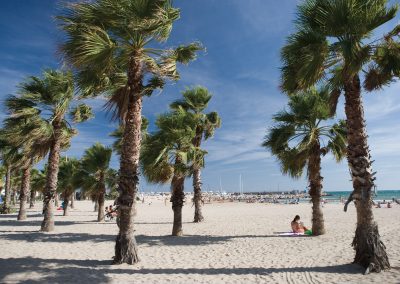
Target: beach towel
(291, 234)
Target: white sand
(236, 244)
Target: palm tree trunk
(125, 245)
(100, 215)
(32, 199)
(72, 197)
(7, 188)
(370, 250)
(56, 200)
(51, 180)
(178, 197)
(315, 180)
(13, 195)
(198, 215)
(65, 202)
(25, 184)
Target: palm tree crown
(300, 128)
(332, 42)
(170, 150)
(105, 37)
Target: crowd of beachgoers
(262, 197)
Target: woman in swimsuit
(298, 226)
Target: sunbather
(298, 226)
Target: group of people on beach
(381, 204)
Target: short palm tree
(32, 196)
(38, 183)
(93, 174)
(196, 101)
(297, 141)
(113, 46)
(166, 157)
(26, 132)
(67, 180)
(50, 98)
(119, 132)
(7, 156)
(333, 42)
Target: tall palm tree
(67, 180)
(50, 98)
(93, 174)
(332, 41)
(298, 138)
(196, 101)
(113, 46)
(167, 155)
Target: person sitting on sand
(298, 226)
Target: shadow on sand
(100, 271)
(187, 240)
(55, 238)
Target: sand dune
(238, 243)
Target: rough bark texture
(7, 188)
(51, 179)
(315, 180)
(32, 199)
(125, 245)
(102, 192)
(197, 198)
(66, 202)
(370, 250)
(177, 198)
(25, 185)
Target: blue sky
(240, 67)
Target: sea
(379, 196)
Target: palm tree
(332, 41)
(24, 130)
(119, 132)
(32, 195)
(93, 174)
(67, 180)
(38, 183)
(7, 156)
(49, 98)
(297, 141)
(166, 157)
(196, 101)
(113, 46)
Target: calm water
(381, 194)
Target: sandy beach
(238, 243)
